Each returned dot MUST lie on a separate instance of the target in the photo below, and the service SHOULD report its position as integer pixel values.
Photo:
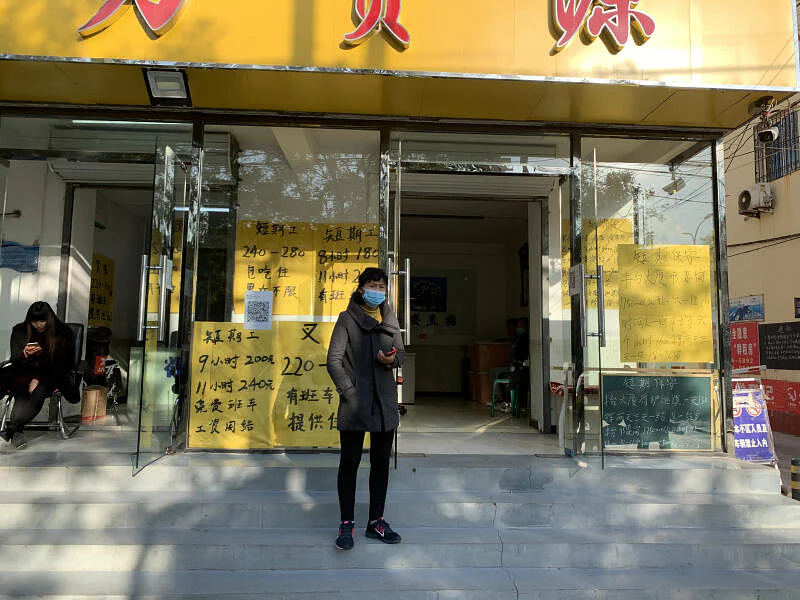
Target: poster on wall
(20, 258)
(262, 389)
(443, 302)
(747, 308)
(780, 345)
(665, 304)
(101, 291)
(429, 294)
(311, 269)
(745, 350)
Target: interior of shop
(469, 240)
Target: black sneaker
(380, 530)
(344, 541)
(18, 441)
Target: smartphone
(32, 344)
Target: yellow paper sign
(611, 233)
(311, 268)
(278, 257)
(101, 293)
(343, 251)
(261, 389)
(665, 304)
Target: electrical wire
(797, 237)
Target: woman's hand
(29, 351)
(388, 358)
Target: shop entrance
(469, 249)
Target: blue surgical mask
(374, 298)
(520, 331)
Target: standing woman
(365, 348)
(41, 357)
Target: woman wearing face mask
(41, 358)
(365, 348)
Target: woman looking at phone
(41, 357)
(365, 348)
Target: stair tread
(392, 579)
(398, 496)
(412, 536)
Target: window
(778, 158)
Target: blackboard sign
(780, 345)
(657, 412)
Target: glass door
(163, 287)
(647, 284)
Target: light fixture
(167, 87)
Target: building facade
(762, 232)
(207, 182)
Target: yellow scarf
(375, 313)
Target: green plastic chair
(512, 386)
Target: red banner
(745, 350)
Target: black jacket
(367, 388)
(50, 370)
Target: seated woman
(41, 356)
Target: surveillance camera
(769, 135)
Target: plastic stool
(512, 386)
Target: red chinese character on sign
(159, 16)
(382, 14)
(615, 20)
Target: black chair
(76, 375)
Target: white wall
(80, 267)
(39, 194)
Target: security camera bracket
(762, 106)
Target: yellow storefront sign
(665, 304)
(511, 60)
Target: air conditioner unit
(756, 199)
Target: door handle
(143, 285)
(162, 300)
(406, 272)
(601, 305)
(407, 333)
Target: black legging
(380, 451)
(26, 406)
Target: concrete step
(318, 472)
(258, 510)
(158, 550)
(413, 584)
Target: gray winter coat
(367, 388)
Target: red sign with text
(744, 345)
(783, 396)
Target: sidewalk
(786, 447)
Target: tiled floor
(433, 426)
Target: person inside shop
(518, 367)
(365, 348)
(41, 360)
